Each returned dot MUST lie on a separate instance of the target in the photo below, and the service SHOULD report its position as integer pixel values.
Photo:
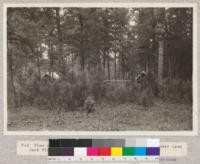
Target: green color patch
(128, 151)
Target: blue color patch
(140, 151)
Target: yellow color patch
(116, 151)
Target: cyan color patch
(140, 151)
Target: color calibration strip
(103, 147)
(104, 151)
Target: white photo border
(193, 132)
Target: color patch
(104, 151)
(140, 151)
(76, 142)
(141, 142)
(116, 151)
(153, 151)
(153, 142)
(80, 152)
(130, 142)
(108, 143)
(68, 151)
(54, 143)
(92, 151)
(128, 151)
(70, 143)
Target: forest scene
(99, 69)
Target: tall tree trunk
(146, 65)
(60, 41)
(115, 66)
(160, 61)
(123, 63)
(123, 70)
(10, 66)
(82, 60)
(38, 51)
(108, 65)
(160, 30)
(170, 69)
(51, 59)
(72, 65)
(104, 61)
(38, 63)
(82, 54)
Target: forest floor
(162, 116)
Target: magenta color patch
(92, 151)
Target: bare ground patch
(163, 116)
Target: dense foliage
(58, 57)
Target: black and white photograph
(99, 68)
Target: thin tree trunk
(51, 60)
(146, 65)
(37, 53)
(13, 90)
(38, 56)
(108, 65)
(38, 65)
(160, 61)
(115, 67)
(82, 60)
(104, 61)
(170, 69)
(123, 65)
(82, 55)
(72, 64)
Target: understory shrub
(121, 92)
(177, 90)
(73, 94)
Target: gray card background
(8, 143)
